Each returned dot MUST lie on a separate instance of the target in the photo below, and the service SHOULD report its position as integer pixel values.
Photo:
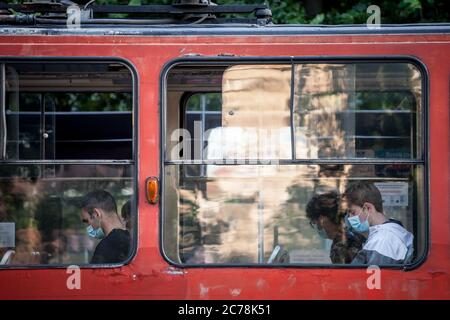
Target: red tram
(216, 134)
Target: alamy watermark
(74, 279)
(230, 145)
(73, 17)
(374, 20)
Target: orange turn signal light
(152, 190)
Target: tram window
(357, 111)
(61, 119)
(60, 112)
(236, 193)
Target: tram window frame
(128, 65)
(423, 143)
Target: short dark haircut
(325, 204)
(99, 199)
(358, 193)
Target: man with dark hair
(99, 211)
(388, 242)
(323, 213)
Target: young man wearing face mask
(99, 211)
(388, 242)
(323, 213)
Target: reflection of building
(322, 93)
(248, 197)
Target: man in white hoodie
(387, 242)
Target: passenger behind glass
(323, 213)
(99, 211)
(388, 242)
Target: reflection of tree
(98, 101)
(76, 102)
(20, 198)
(364, 110)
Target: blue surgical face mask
(357, 225)
(95, 233)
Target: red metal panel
(149, 276)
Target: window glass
(65, 117)
(369, 110)
(60, 112)
(278, 173)
(252, 109)
(40, 210)
(240, 214)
